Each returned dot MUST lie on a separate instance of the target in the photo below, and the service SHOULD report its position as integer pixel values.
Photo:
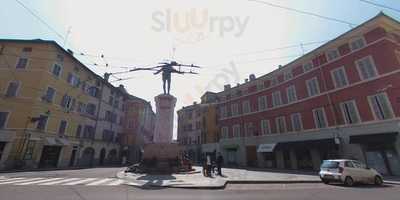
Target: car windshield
(330, 164)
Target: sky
(230, 39)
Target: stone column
(165, 105)
(279, 160)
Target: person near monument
(220, 161)
(208, 157)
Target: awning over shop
(265, 148)
(51, 141)
(321, 143)
(231, 146)
(63, 141)
(374, 138)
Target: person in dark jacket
(220, 161)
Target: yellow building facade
(54, 111)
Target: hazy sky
(227, 37)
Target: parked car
(348, 172)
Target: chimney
(106, 76)
(194, 103)
(227, 86)
(280, 66)
(246, 80)
(252, 77)
(70, 51)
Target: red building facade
(341, 100)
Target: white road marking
(60, 181)
(10, 179)
(101, 181)
(80, 181)
(20, 181)
(116, 182)
(40, 181)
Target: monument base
(162, 158)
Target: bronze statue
(167, 70)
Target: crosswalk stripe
(60, 181)
(116, 182)
(39, 181)
(80, 181)
(101, 181)
(10, 179)
(20, 181)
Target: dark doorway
(87, 157)
(251, 155)
(102, 156)
(73, 157)
(112, 157)
(304, 160)
(50, 156)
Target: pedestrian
(204, 164)
(208, 157)
(220, 161)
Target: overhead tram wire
(305, 12)
(381, 5)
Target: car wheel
(325, 181)
(378, 180)
(348, 181)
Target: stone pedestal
(165, 105)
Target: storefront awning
(63, 141)
(374, 138)
(231, 146)
(266, 148)
(51, 141)
(321, 143)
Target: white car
(348, 172)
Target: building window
(49, 95)
(288, 75)
(3, 119)
(62, 127)
(12, 89)
(357, 43)
(110, 100)
(81, 107)
(312, 87)
(56, 71)
(307, 67)
(280, 124)
(108, 135)
(66, 102)
(350, 112)
(297, 124)
(246, 106)
(380, 106)
(291, 94)
(276, 99)
(248, 129)
(42, 122)
(73, 80)
(224, 132)
(235, 109)
(236, 130)
(78, 131)
(93, 91)
(262, 103)
(319, 118)
(88, 132)
(274, 81)
(339, 77)
(332, 54)
(223, 112)
(90, 109)
(265, 127)
(22, 63)
(366, 68)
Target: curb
(392, 182)
(222, 186)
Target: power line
(305, 13)
(380, 5)
(40, 19)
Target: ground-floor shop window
(2, 146)
(270, 160)
(286, 160)
(304, 160)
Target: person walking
(208, 157)
(204, 164)
(220, 161)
